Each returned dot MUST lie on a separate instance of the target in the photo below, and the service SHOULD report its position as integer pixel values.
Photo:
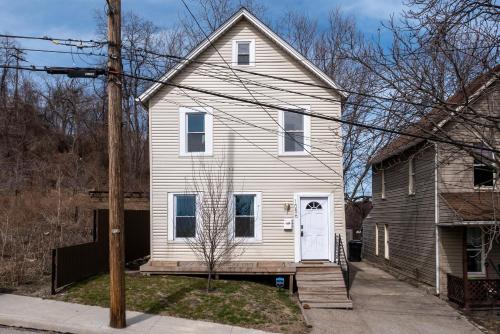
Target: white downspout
(436, 215)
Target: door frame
(330, 219)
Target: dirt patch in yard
(239, 303)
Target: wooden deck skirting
(233, 268)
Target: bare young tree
(214, 242)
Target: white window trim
(307, 132)
(386, 241)
(411, 176)
(376, 240)
(481, 273)
(251, 49)
(258, 217)
(171, 215)
(477, 187)
(208, 130)
(382, 180)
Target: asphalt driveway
(383, 304)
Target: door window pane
(244, 220)
(185, 216)
(474, 250)
(294, 132)
(195, 132)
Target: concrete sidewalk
(52, 315)
(385, 305)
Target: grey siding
(410, 219)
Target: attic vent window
(313, 206)
(244, 53)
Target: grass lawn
(241, 303)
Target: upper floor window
(382, 181)
(195, 131)
(295, 132)
(411, 176)
(484, 171)
(244, 52)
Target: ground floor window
(247, 215)
(184, 215)
(386, 241)
(475, 251)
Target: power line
(59, 41)
(311, 114)
(368, 95)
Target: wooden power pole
(115, 147)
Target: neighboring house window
(382, 180)
(184, 216)
(295, 134)
(484, 171)
(195, 131)
(475, 251)
(386, 241)
(376, 239)
(411, 176)
(247, 216)
(244, 52)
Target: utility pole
(116, 228)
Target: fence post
(53, 278)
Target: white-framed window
(247, 222)
(475, 251)
(485, 171)
(244, 52)
(376, 239)
(195, 131)
(182, 215)
(382, 181)
(295, 132)
(386, 241)
(411, 176)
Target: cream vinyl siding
(254, 170)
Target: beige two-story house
(286, 167)
(436, 205)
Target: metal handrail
(342, 261)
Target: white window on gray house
(195, 136)
(244, 52)
(475, 251)
(185, 216)
(295, 133)
(411, 176)
(244, 216)
(382, 181)
(485, 172)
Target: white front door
(314, 228)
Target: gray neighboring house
(432, 203)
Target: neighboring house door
(314, 228)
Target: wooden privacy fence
(74, 263)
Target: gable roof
(206, 43)
(436, 116)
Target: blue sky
(76, 18)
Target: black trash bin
(354, 250)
